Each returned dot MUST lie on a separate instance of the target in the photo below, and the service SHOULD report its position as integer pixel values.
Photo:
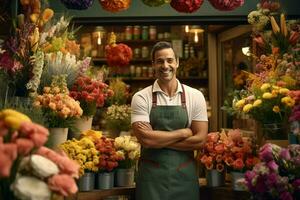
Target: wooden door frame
(216, 71)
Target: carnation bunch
(25, 162)
(118, 117)
(84, 152)
(57, 105)
(91, 94)
(109, 157)
(277, 176)
(130, 150)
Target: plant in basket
(277, 176)
(28, 170)
(129, 149)
(90, 93)
(57, 106)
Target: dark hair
(161, 45)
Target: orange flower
(220, 148)
(238, 164)
(220, 167)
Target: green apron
(167, 174)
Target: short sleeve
(139, 108)
(199, 111)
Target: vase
(81, 124)
(57, 136)
(125, 177)
(214, 178)
(105, 180)
(274, 131)
(86, 182)
(235, 180)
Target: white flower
(26, 187)
(43, 167)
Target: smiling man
(170, 121)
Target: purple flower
(272, 165)
(286, 196)
(296, 184)
(285, 154)
(271, 179)
(296, 161)
(265, 153)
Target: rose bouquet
(118, 117)
(25, 162)
(84, 152)
(277, 176)
(213, 154)
(109, 157)
(130, 151)
(56, 104)
(90, 93)
(241, 151)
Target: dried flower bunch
(118, 117)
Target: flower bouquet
(57, 106)
(26, 163)
(90, 93)
(118, 118)
(129, 149)
(120, 90)
(277, 176)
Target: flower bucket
(105, 180)
(235, 181)
(215, 178)
(81, 124)
(57, 136)
(86, 182)
(125, 177)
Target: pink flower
(8, 153)
(286, 196)
(265, 153)
(213, 137)
(272, 165)
(63, 184)
(235, 134)
(24, 146)
(285, 154)
(36, 132)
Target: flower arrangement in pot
(26, 162)
(277, 175)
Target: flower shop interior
(69, 69)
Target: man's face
(165, 64)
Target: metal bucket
(86, 182)
(105, 180)
(215, 178)
(125, 177)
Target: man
(170, 121)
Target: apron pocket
(187, 171)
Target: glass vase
(274, 131)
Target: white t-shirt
(141, 103)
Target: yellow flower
(265, 86)
(283, 90)
(276, 109)
(288, 101)
(247, 108)
(240, 103)
(257, 102)
(267, 95)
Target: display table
(206, 193)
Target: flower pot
(215, 178)
(125, 177)
(86, 182)
(57, 136)
(235, 181)
(105, 180)
(82, 124)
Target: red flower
(186, 6)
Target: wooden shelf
(152, 79)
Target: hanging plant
(115, 5)
(186, 6)
(117, 54)
(155, 3)
(77, 4)
(226, 5)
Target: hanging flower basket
(117, 54)
(155, 3)
(77, 4)
(227, 5)
(186, 6)
(115, 5)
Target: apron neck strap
(183, 100)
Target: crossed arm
(181, 139)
